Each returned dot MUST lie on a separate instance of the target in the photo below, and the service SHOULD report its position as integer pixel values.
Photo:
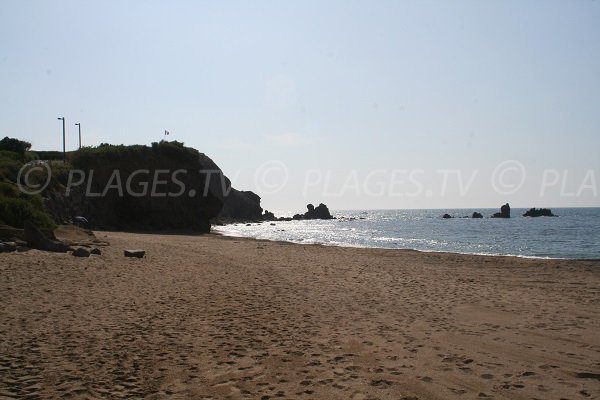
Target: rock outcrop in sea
(268, 216)
(504, 212)
(539, 212)
(319, 212)
(476, 215)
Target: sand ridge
(208, 317)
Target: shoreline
(572, 236)
(210, 316)
(517, 256)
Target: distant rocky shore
(505, 213)
(319, 212)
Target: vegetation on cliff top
(16, 206)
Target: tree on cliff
(15, 145)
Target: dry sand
(206, 317)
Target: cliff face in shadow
(241, 206)
(158, 187)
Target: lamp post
(79, 126)
(64, 140)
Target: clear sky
(359, 104)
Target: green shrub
(15, 211)
(60, 172)
(15, 205)
(88, 157)
(9, 165)
(8, 190)
(31, 156)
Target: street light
(64, 140)
(79, 126)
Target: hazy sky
(360, 104)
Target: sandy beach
(210, 317)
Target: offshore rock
(541, 212)
(504, 212)
(319, 212)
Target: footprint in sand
(381, 383)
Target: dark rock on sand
(37, 240)
(81, 252)
(8, 247)
(539, 212)
(9, 233)
(134, 253)
(19, 242)
(96, 251)
(476, 215)
(504, 212)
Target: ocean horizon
(573, 234)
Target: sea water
(574, 234)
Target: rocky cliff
(241, 206)
(158, 187)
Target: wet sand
(208, 317)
